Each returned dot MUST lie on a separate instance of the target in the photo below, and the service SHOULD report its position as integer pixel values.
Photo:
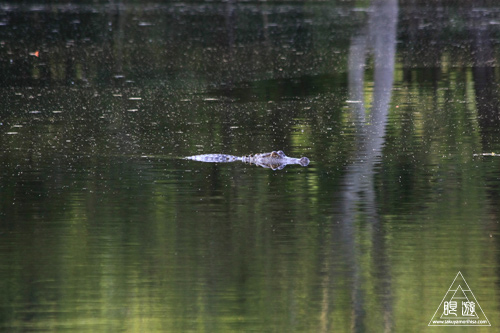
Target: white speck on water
(35, 112)
(133, 110)
(135, 98)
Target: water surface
(104, 226)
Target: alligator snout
(304, 161)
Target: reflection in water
(483, 70)
(358, 196)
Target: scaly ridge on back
(214, 158)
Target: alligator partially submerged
(275, 160)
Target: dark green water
(104, 227)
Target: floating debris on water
(487, 154)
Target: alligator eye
(281, 153)
(274, 154)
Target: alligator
(275, 160)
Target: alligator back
(214, 158)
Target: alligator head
(275, 160)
